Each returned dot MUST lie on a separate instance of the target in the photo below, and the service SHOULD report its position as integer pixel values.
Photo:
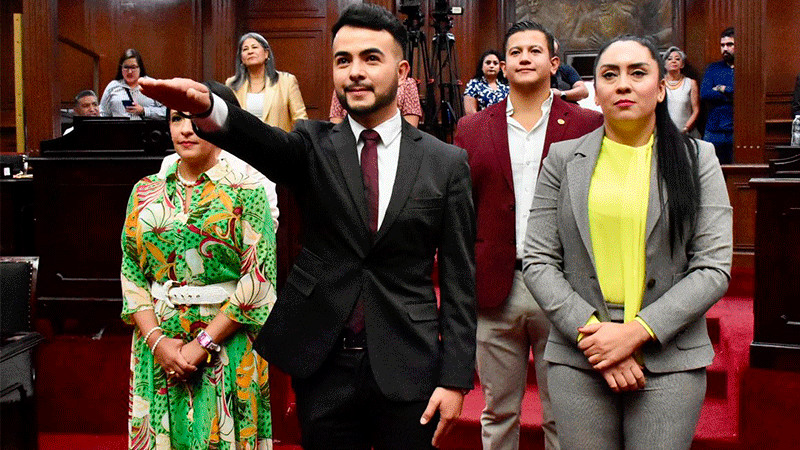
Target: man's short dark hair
(729, 32)
(373, 17)
(529, 25)
(82, 94)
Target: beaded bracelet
(158, 341)
(147, 336)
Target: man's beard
(727, 57)
(381, 100)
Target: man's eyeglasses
(130, 68)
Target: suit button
(650, 283)
(511, 207)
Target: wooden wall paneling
(91, 27)
(782, 61)
(83, 73)
(167, 34)
(743, 201)
(219, 39)
(748, 103)
(299, 36)
(705, 20)
(40, 72)
(780, 47)
(298, 51)
(469, 44)
(293, 9)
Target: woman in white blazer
(263, 91)
(629, 243)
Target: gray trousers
(506, 335)
(663, 415)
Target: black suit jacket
(413, 346)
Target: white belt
(173, 293)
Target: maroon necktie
(369, 172)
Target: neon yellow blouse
(618, 200)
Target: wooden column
(219, 39)
(40, 71)
(749, 97)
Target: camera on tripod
(442, 11)
(442, 104)
(413, 9)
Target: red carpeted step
(467, 433)
(72, 441)
(717, 383)
(730, 327)
(63, 441)
(717, 427)
(712, 324)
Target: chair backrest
(17, 292)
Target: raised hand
(180, 94)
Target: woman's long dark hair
(128, 54)
(479, 69)
(241, 70)
(676, 154)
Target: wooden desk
(16, 217)
(776, 340)
(80, 211)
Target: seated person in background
(566, 83)
(488, 86)
(234, 162)
(407, 101)
(85, 105)
(122, 96)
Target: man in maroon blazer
(506, 143)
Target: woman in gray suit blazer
(628, 245)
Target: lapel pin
(561, 121)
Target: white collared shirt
(255, 104)
(525, 148)
(388, 156)
(388, 147)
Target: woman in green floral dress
(198, 277)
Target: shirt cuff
(646, 326)
(216, 120)
(591, 320)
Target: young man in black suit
(374, 362)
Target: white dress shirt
(388, 148)
(388, 156)
(255, 104)
(525, 148)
